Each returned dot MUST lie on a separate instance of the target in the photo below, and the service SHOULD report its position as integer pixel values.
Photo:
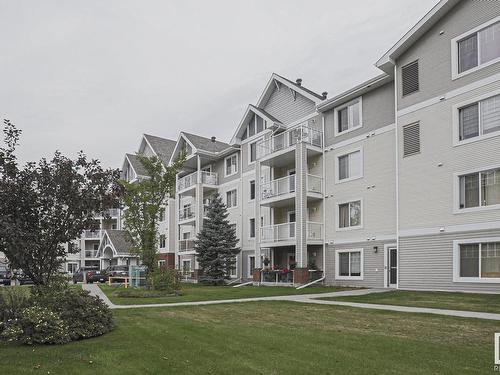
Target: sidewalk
(307, 298)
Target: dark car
(117, 271)
(92, 274)
(5, 275)
(22, 278)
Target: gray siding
(285, 108)
(426, 262)
(377, 110)
(219, 167)
(434, 51)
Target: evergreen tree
(216, 243)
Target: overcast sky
(94, 75)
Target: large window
(349, 264)
(72, 267)
(231, 165)
(478, 48)
(252, 228)
(477, 260)
(349, 215)
(479, 189)
(252, 152)
(231, 198)
(163, 240)
(349, 166)
(479, 118)
(348, 117)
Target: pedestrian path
(307, 298)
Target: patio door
(291, 227)
(291, 180)
(391, 261)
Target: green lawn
(268, 338)
(439, 300)
(197, 292)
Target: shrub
(164, 279)
(36, 325)
(12, 302)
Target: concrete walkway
(306, 298)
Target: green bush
(164, 279)
(12, 301)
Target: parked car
(5, 275)
(92, 274)
(116, 271)
(22, 278)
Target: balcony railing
(282, 141)
(286, 232)
(187, 181)
(314, 184)
(286, 185)
(92, 234)
(186, 245)
(91, 253)
(209, 178)
(186, 213)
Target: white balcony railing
(286, 232)
(282, 141)
(286, 185)
(91, 253)
(187, 181)
(92, 234)
(186, 245)
(314, 184)
(186, 213)
(209, 178)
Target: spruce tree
(216, 243)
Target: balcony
(186, 245)
(280, 143)
(187, 213)
(207, 178)
(284, 234)
(281, 191)
(90, 253)
(92, 234)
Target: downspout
(397, 166)
(323, 188)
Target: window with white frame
(251, 265)
(477, 260)
(479, 118)
(349, 264)
(231, 198)
(479, 189)
(349, 215)
(478, 48)
(252, 190)
(252, 152)
(163, 240)
(231, 165)
(72, 267)
(349, 166)
(186, 266)
(348, 117)
(252, 228)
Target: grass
(197, 292)
(269, 338)
(438, 300)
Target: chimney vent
(324, 94)
(299, 81)
(213, 139)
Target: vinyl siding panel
(219, 167)
(426, 262)
(282, 105)
(433, 52)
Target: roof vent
(324, 94)
(299, 81)
(213, 139)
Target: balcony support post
(258, 224)
(198, 201)
(301, 205)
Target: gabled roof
(251, 109)
(162, 147)
(120, 242)
(356, 91)
(205, 144)
(386, 62)
(136, 164)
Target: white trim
(381, 238)
(454, 51)
(336, 117)
(225, 165)
(387, 247)
(344, 201)
(183, 260)
(497, 348)
(456, 119)
(345, 153)
(250, 162)
(456, 191)
(456, 261)
(415, 232)
(228, 191)
(337, 264)
(361, 137)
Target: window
(252, 150)
(409, 78)
(479, 189)
(479, 118)
(72, 267)
(478, 48)
(231, 198)
(348, 117)
(349, 264)
(411, 139)
(252, 228)
(251, 265)
(477, 260)
(162, 241)
(162, 214)
(349, 166)
(252, 190)
(186, 266)
(349, 215)
(96, 246)
(231, 165)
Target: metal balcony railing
(209, 178)
(286, 232)
(91, 253)
(186, 213)
(92, 234)
(187, 181)
(314, 231)
(286, 185)
(186, 245)
(282, 141)
(314, 184)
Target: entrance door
(392, 267)
(291, 227)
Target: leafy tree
(47, 204)
(216, 242)
(144, 200)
